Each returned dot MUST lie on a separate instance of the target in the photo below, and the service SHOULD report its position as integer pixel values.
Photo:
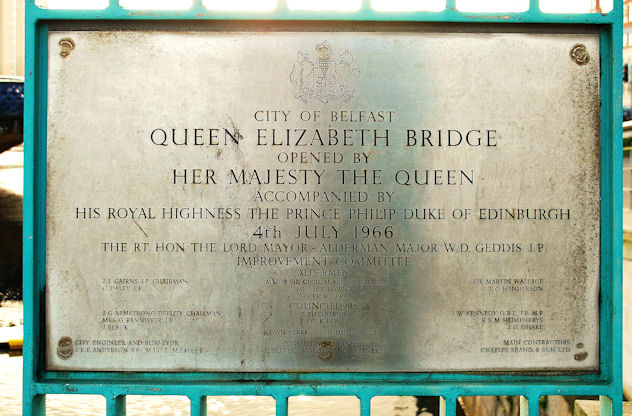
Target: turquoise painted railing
(38, 382)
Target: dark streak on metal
(140, 228)
(503, 17)
(143, 14)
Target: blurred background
(11, 191)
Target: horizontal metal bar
(282, 13)
(275, 390)
(289, 379)
(316, 378)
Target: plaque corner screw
(579, 54)
(67, 45)
(65, 348)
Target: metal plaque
(365, 201)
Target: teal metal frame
(115, 386)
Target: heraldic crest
(324, 79)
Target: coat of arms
(324, 79)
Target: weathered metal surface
(235, 271)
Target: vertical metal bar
(198, 405)
(447, 406)
(34, 405)
(113, 4)
(34, 121)
(29, 302)
(611, 281)
(534, 6)
(609, 211)
(450, 5)
(366, 5)
(365, 405)
(533, 405)
(615, 401)
(281, 405)
(115, 406)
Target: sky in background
(551, 6)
